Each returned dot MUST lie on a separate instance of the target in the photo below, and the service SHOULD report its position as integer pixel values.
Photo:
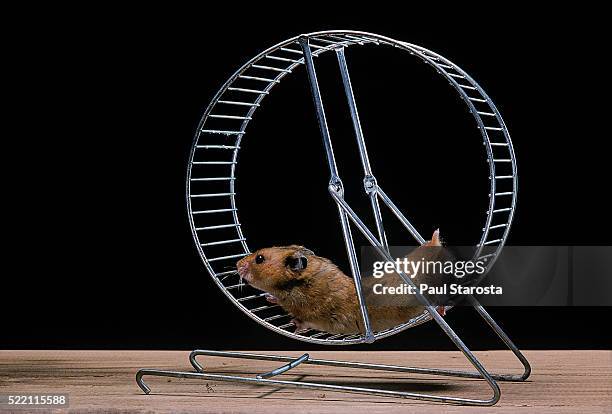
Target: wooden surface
(562, 381)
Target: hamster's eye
(259, 259)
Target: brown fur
(321, 296)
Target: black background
(98, 249)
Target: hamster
(320, 296)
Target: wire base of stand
(291, 362)
(263, 379)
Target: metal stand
(347, 215)
(263, 379)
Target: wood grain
(102, 381)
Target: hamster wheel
(213, 212)
(211, 179)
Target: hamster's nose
(242, 266)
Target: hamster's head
(276, 269)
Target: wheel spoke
(335, 185)
(369, 181)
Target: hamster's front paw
(271, 298)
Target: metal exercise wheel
(217, 144)
(213, 211)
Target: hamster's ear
(301, 249)
(435, 239)
(297, 261)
